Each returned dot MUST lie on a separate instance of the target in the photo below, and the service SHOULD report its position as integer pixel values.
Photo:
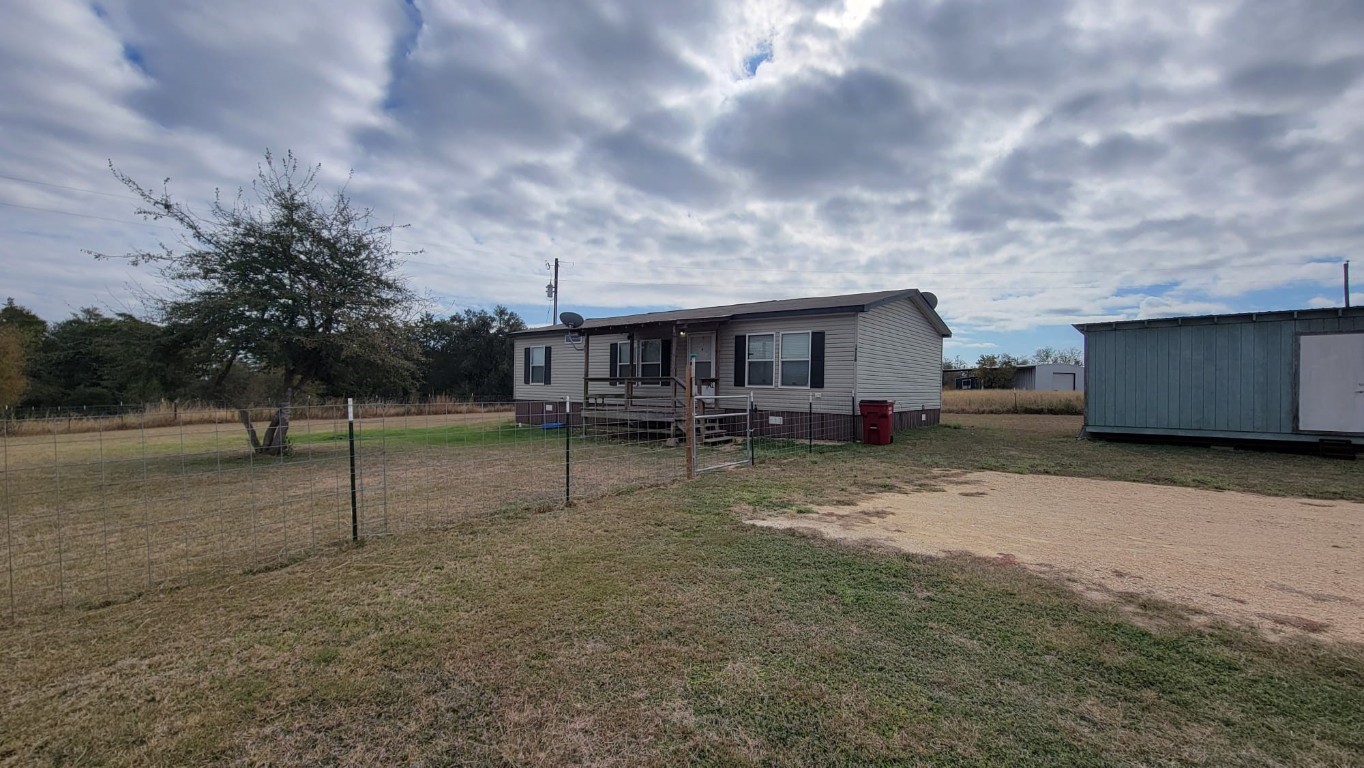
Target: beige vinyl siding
(899, 357)
(840, 334)
(601, 365)
(565, 369)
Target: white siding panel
(840, 335)
(899, 357)
(565, 372)
(600, 349)
(566, 367)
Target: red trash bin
(878, 421)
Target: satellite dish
(932, 299)
(571, 319)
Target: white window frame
(628, 363)
(652, 380)
(748, 361)
(541, 366)
(809, 359)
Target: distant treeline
(99, 360)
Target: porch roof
(814, 305)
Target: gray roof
(814, 305)
(1238, 317)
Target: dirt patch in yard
(1285, 565)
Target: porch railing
(641, 392)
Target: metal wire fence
(103, 510)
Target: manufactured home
(1276, 377)
(793, 361)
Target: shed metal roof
(1238, 317)
(814, 305)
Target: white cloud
(1324, 302)
(1034, 164)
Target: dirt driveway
(1282, 564)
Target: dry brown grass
(658, 629)
(168, 414)
(1012, 401)
(95, 517)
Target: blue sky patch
(133, 55)
(760, 55)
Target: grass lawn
(656, 628)
(91, 517)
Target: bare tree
(1072, 356)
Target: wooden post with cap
(691, 419)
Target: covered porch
(638, 384)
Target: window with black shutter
(537, 365)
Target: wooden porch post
(691, 421)
(629, 382)
(587, 366)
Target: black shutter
(817, 360)
(548, 349)
(525, 372)
(740, 359)
(667, 359)
(615, 356)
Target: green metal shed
(1292, 376)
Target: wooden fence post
(691, 420)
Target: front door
(701, 348)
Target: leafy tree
(21, 331)
(29, 326)
(470, 355)
(1072, 356)
(13, 360)
(94, 359)
(284, 280)
(998, 371)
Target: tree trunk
(251, 437)
(276, 434)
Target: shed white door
(1331, 383)
(1063, 381)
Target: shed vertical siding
(1233, 377)
(899, 357)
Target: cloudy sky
(1033, 163)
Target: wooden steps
(709, 433)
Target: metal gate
(721, 433)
